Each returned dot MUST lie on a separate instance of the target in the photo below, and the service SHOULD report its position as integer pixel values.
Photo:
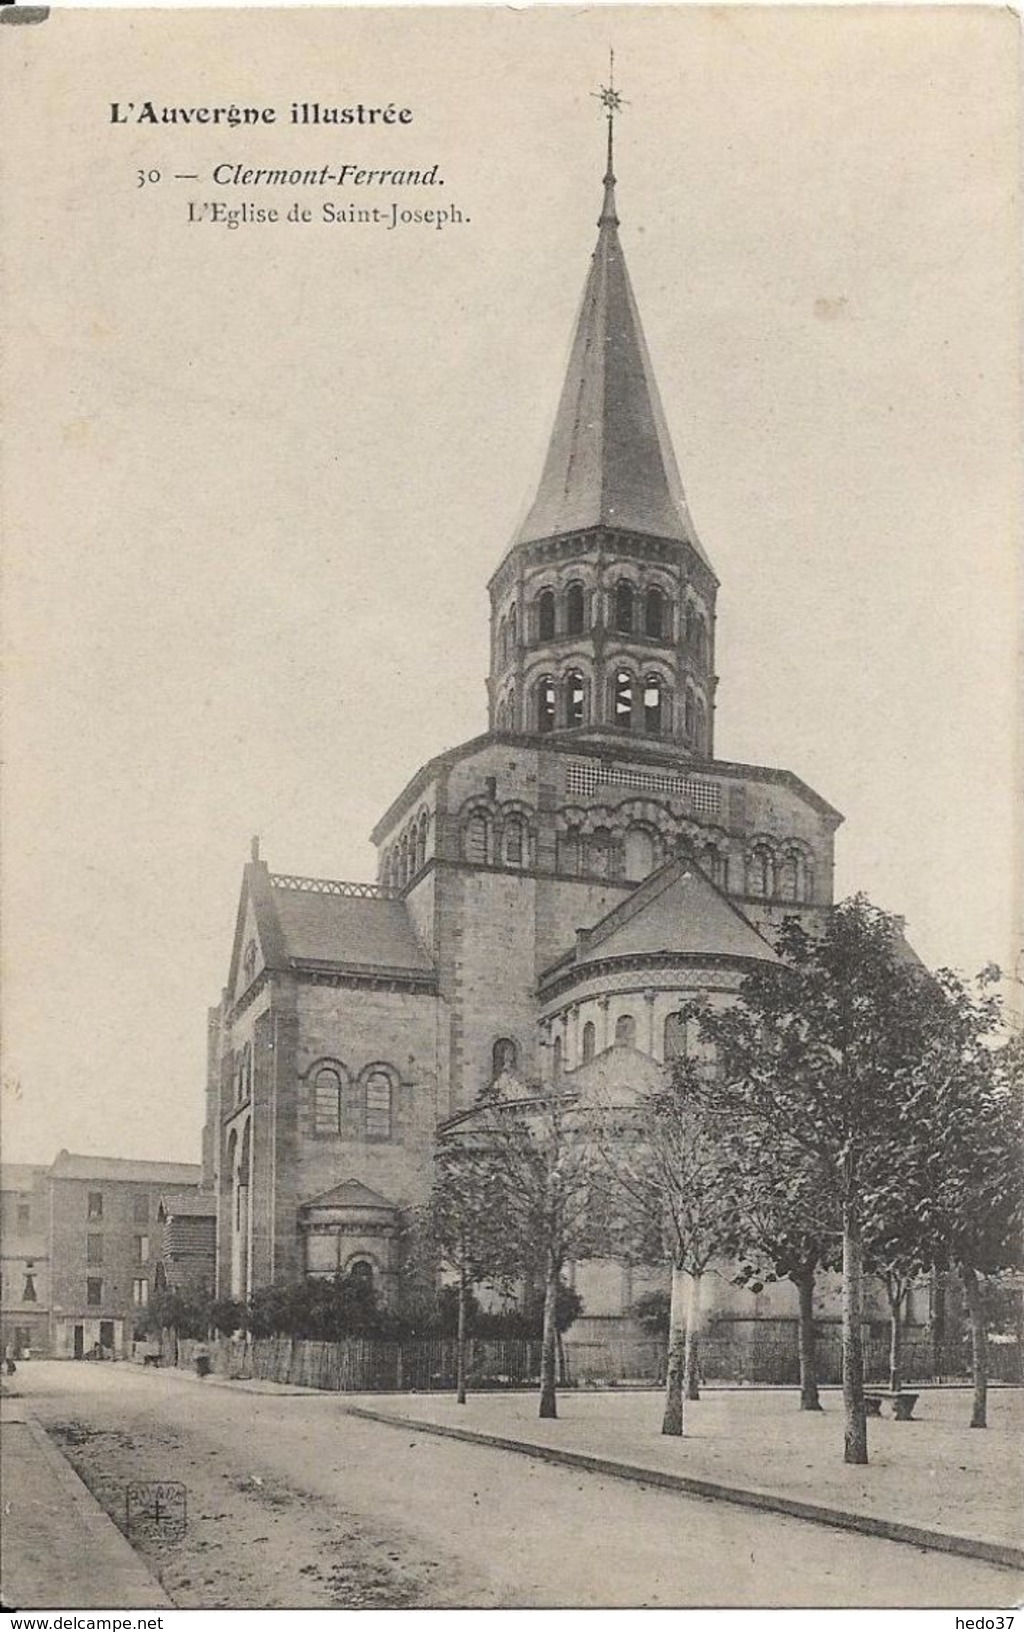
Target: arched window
(761, 872)
(654, 614)
(623, 712)
(546, 704)
(703, 644)
(327, 1102)
(807, 892)
(589, 1042)
(625, 1030)
(513, 630)
(377, 1099)
(421, 843)
(639, 854)
(574, 612)
(711, 863)
(503, 640)
(512, 708)
(690, 716)
(689, 625)
(361, 1274)
(558, 1056)
(700, 737)
(574, 698)
(504, 1056)
(624, 607)
(406, 869)
(546, 615)
(675, 1037)
(789, 876)
(515, 841)
(475, 839)
(653, 706)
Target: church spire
(610, 460)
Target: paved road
(291, 1502)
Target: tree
(967, 1106)
(464, 1220)
(664, 1156)
(532, 1156)
(817, 1052)
(786, 1228)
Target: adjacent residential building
(187, 1249)
(104, 1245)
(24, 1259)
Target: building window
(689, 715)
(760, 873)
(503, 640)
(625, 1030)
(249, 963)
(701, 731)
(589, 1042)
(94, 1208)
(504, 1056)
(574, 612)
(140, 1209)
(378, 1106)
(24, 1215)
(327, 1102)
(515, 841)
(546, 615)
(623, 699)
(558, 1057)
(361, 1273)
(546, 704)
(140, 1293)
(513, 630)
(599, 852)
(94, 1249)
(675, 1037)
(421, 843)
(624, 608)
(28, 1292)
(789, 877)
(653, 706)
(574, 696)
(476, 839)
(94, 1291)
(141, 1245)
(654, 614)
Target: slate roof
(125, 1170)
(350, 1194)
(189, 1204)
(677, 910)
(349, 930)
(610, 460)
(20, 1175)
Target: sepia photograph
(513, 934)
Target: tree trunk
(672, 1421)
(809, 1399)
(896, 1293)
(691, 1352)
(460, 1342)
(549, 1342)
(855, 1427)
(979, 1347)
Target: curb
(939, 1541)
(134, 1578)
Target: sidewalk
(60, 1550)
(932, 1482)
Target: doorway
(107, 1337)
(79, 1342)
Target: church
(548, 895)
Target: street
(290, 1502)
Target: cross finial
(612, 102)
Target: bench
(902, 1404)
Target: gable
(677, 910)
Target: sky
(257, 479)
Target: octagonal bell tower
(603, 610)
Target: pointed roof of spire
(610, 460)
